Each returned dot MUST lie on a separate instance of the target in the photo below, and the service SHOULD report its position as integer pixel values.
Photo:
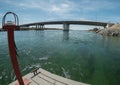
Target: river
(79, 55)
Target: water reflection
(40, 33)
(65, 35)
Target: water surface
(79, 55)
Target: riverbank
(1, 30)
(114, 30)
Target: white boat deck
(43, 77)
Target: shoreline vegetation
(114, 30)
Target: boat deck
(43, 77)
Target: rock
(111, 31)
(95, 30)
(115, 34)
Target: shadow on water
(40, 33)
(65, 35)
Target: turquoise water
(79, 55)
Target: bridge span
(66, 24)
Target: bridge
(66, 24)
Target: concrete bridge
(66, 24)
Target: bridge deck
(69, 22)
(43, 77)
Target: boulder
(111, 31)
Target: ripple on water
(66, 73)
(32, 66)
(44, 58)
(12, 75)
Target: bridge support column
(41, 27)
(37, 26)
(66, 27)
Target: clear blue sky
(49, 10)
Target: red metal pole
(13, 56)
(10, 27)
(11, 44)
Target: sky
(30, 11)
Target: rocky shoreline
(114, 30)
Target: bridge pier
(42, 26)
(39, 26)
(65, 27)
